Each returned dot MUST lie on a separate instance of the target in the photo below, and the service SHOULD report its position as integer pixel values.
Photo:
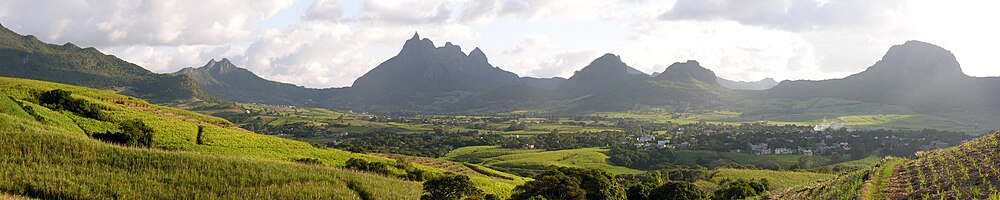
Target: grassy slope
(526, 162)
(489, 180)
(967, 171)
(62, 161)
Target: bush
(133, 133)
(61, 100)
(741, 188)
(571, 183)
(362, 165)
(310, 161)
(451, 187)
(677, 190)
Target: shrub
(362, 165)
(677, 190)
(59, 99)
(133, 133)
(571, 183)
(741, 188)
(310, 161)
(451, 187)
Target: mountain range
(425, 78)
(228, 82)
(27, 57)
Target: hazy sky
(319, 43)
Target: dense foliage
(572, 183)
(133, 133)
(633, 157)
(741, 188)
(451, 187)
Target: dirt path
(898, 182)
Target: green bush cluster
(59, 99)
(571, 183)
(133, 133)
(452, 187)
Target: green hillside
(28, 57)
(967, 171)
(527, 162)
(49, 155)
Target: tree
(451, 187)
(805, 162)
(133, 133)
(572, 183)
(640, 191)
(741, 188)
(599, 184)
(677, 190)
(551, 184)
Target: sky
(330, 43)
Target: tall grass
(46, 162)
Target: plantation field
(489, 180)
(812, 112)
(690, 157)
(56, 158)
(528, 162)
(549, 128)
(966, 171)
(48, 162)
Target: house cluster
(763, 149)
(650, 142)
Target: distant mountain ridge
(28, 57)
(425, 78)
(916, 74)
(762, 84)
(225, 80)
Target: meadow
(530, 162)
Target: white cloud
(133, 22)
(329, 43)
(788, 14)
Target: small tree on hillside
(450, 187)
(133, 133)
(678, 190)
(741, 188)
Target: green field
(50, 155)
(528, 162)
(689, 157)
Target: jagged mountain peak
(477, 55)
(421, 69)
(220, 66)
(417, 44)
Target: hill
(688, 71)
(27, 57)
(231, 83)
(60, 153)
(916, 74)
(966, 171)
(608, 84)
